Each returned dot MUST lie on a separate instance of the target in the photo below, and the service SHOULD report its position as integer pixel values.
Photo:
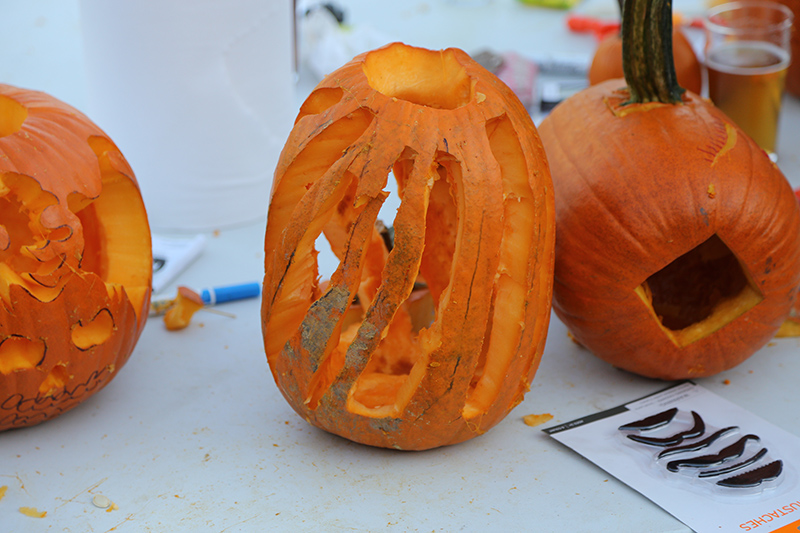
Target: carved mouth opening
(699, 292)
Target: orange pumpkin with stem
(365, 356)
(678, 248)
(75, 258)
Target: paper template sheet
(708, 462)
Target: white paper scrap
(171, 256)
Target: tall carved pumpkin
(678, 247)
(75, 258)
(365, 356)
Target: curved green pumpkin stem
(647, 52)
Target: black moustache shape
(699, 445)
(733, 468)
(754, 478)
(652, 422)
(698, 429)
(734, 450)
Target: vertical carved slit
(504, 327)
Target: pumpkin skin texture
(75, 258)
(607, 61)
(637, 187)
(403, 368)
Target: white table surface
(193, 435)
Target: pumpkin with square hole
(75, 258)
(428, 334)
(678, 246)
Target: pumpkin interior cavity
(115, 246)
(699, 292)
(424, 77)
(399, 364)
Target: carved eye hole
(95, 332)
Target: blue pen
(213, 296)
(229, 293)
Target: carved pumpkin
(75, 259)
(363, 356)
(678, 246)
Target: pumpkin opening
(319, 101)
(424, 77)
(397, 365)
(699, 292)
(95, 332)
(18, 223)
(12, 116)
(55, 380)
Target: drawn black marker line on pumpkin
(651, 422)
(699, 445)
(698, 429)
(754, 478)
(730, 452)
